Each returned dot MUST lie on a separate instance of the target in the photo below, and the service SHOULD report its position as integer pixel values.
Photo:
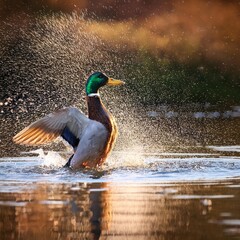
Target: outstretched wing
(67, 122)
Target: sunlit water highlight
(124, 167)
(134, 195)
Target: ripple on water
(148, 168)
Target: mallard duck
(92, 137)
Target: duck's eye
(101, 76)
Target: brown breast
(98, 112)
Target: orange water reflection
(119, 211)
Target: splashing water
(50, 158)
(44, 66)
(52, 57)
(123, 167)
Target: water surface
(170, 195)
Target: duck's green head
(97, 80)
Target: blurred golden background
(190, 30)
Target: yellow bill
(114, 82)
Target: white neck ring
(94, 95)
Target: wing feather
(51, 126)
